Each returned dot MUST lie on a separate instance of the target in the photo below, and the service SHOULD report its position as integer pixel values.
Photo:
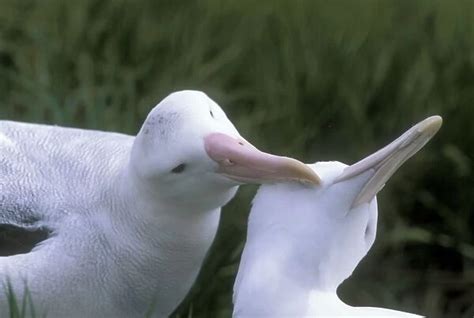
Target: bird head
(189, 152)
(327, 229)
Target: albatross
(119, 225)
(303, 242)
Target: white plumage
(128, 219)
(303, 242)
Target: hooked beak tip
(431, 125)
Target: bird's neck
(158, 245)
(283, 275)
(162, 223)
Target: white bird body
(303, 242)
(101, 254)
(129, 219)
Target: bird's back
(52, 170)
(51, 180)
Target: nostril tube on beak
(227, 162)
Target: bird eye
(212, 114)
(179, 168)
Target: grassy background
(318, 80)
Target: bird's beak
(387, 160)
(241, 161)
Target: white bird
(303, 242)
(123, 222)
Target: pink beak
(241, 161)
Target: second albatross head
(311, 238)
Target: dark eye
(179, 168)
(212, 114)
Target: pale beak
(241, 161)
(387, 160)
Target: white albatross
(124, 221)
(303, 242)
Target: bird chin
(236, 180)
(240, 180)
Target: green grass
(318, 80)
(20, 309)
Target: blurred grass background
(318, 80)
